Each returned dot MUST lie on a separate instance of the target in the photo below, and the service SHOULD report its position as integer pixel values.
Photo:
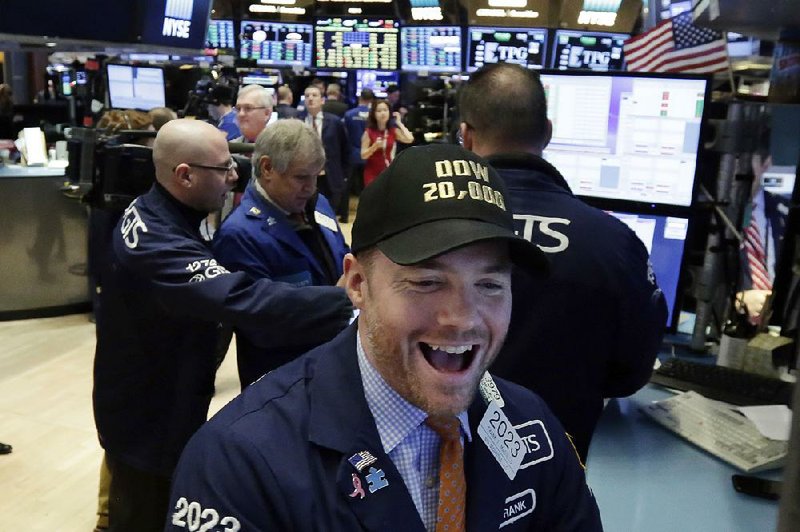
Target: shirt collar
(395, 418)
(263, 194)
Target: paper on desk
(772, 421)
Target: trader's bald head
(191, 158)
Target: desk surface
(14, 170)
(647, 478)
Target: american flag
(677, 45)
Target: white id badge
(502, 439)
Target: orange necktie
(452, 484)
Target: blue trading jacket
(258, 240)
(593, 328)
(355, 121)
(157, 325)
(285, 455)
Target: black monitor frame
(141, 67)
(552, 60)
(679, 210)
(434, 69)
(397, 26)
(235, 29)
(467, 40)
(286, 64)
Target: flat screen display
(263, 79)
(597, 51)
(523, 46)
(343, 42)
(377, 80)
(276, 43)
(431, 48)
(665, 239)
(631, 137)
(135, 87)
(220, 35)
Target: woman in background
(378, 141)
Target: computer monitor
(220, 35)
(377, 80)
(626, 136)
(355, 42)
(135, 87)
(598, 51)
(276, 43)
(430, 48)
(523, 46)
(265, 79)
(665, 238)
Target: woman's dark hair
(371, 121)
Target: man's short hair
(262, 94)
(504, 103)
(222, 95)
(366, 95)
(284, 93)
(334, 91)
(285, 141)
(392, 88)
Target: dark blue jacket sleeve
(190, 283)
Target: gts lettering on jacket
(547, 235)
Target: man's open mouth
(448, 358)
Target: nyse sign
(177, 18)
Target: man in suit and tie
(333, 178)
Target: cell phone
(757, 487)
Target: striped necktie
(756, 257)
(450, 515)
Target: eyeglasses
(230, 168)
(247, 108)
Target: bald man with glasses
(162, 306)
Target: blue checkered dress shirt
(412, 446)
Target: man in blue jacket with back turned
(593, 328)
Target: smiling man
(283, 230)
(395, 424)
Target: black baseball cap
(436, 198)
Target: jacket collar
(278, 226)
(337, 389)
(528, 161)
(191, 216)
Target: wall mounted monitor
(135, 87)
(276, 43)
(626, 136)
(265, 79)
(573, 49)
(220, 35)
(354, 42)
(523, 46)
(665, 239)
(377, 80)
(430, 48)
